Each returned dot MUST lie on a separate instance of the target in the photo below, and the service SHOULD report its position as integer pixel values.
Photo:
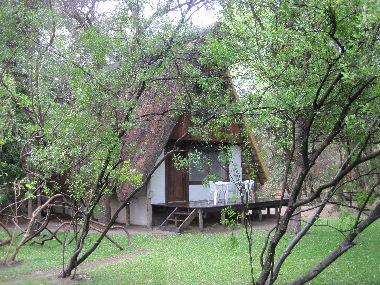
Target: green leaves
(29, 186)
(29, 195)
(127, 173)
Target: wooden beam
(127, 216)
(149, 211)
(200, 213)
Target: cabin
(172, 188)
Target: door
(176, 181)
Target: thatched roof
(150, 137)
(145, 142)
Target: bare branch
(348, 243)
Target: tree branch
(348, 243)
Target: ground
(157, 250)
(80, 277)
(211, 226)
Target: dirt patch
(132, 229)
(77, 278)
(213, 226)
(11, 264)
(80, 277)
(111, 259)
(328, 212)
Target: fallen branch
(53, 235)
(115, 227)
(110, 239)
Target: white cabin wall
(157, 183)
(138, 209)
(115, 204)
(198, 192)
(235, 169)
(138, 205)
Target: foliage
(10, 169)
(308, 72)
(71, 82)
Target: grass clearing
(208, 259)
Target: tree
(71, 81)
(310, 71)
(77, 88)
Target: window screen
(206, 161)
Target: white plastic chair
(231, 191)
(213, 193)
(248, 186)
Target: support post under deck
(200, 218)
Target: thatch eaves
(144, 143)
(257, 157)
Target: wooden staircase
(179, 219)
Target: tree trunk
(106, 209)
(30, 232)
(127, 215)
(30, 208)
(294, 226)
(39, 202)
(73, 261)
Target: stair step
(169, 229)
(182, 213)
(179, 223)
(175, 220)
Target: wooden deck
(198, 208)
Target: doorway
(176, 181)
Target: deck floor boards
(201, 207)
(260, 203)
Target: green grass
(210, 259)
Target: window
(207, 161)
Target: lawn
(207, 259)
